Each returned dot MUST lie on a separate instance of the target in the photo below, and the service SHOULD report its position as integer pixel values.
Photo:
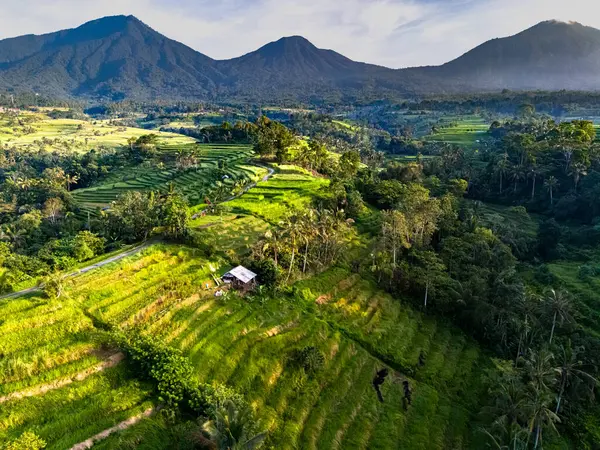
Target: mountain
(114, 57)
(551, 56)
(121, 57)
(294, 67)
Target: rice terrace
(293, 250)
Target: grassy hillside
(41, 132)
(245, 343)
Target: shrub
(27, 441)
(172, 374)
(206, 246)
(586, 272)
(310, 359)
(268, 274)
(165, 366)
(544, 276)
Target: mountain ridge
(119, 57)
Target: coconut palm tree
(501, 170)
(233, 428)
(308, 231)
(71, 180)
(577, 171)
(540, 414)
(272, 241)
(551, 184)
(509, 411)
(569, 370)
(559, 306)
(518, 174)
(293, 231)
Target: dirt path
(112, 361)
(89, 443)
(86, 269)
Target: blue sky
(395, 33)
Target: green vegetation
(29, 131)
(223, 163)
(463, 131)
(439, 301)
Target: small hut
(240, 278)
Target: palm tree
(570, 369)
(551, 184)
(13, 235)
(233, 428)
(539, 369)
(293, 231)
(509, 409)
(272, 240)
(518, 174)
(501, 169)
(578, 170)
(559, 307)
(533, 173)
(540, 415)
(307, 228)
(70, 180)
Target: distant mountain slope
(121, 57)
(114, 56)
(293, 67)
(551, 55)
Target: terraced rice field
(194, 184)
(585, 292)
(235, 234)
(246, 345)
(290, 188)
(466, 132)
(76, 135)
(49, 377)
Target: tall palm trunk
(533, 189)
(553, 326)
(291, 264)
(426, 294)
(305, 257)
(538, 433)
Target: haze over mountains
(121, 57)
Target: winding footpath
(127, 253)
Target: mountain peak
(286, 45)
(105, 26)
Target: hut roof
(241, 273)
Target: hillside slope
(121, 57)
(551, 55)
(115, 57)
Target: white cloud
(396, 33)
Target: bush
(27, 441)
(172, 374)
(586, 272)
(268, 274)
(157, 362)
(207, 247)
(310, 359)
(544, 276)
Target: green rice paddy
(193, 183)
(75, 135)
(467, 132)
